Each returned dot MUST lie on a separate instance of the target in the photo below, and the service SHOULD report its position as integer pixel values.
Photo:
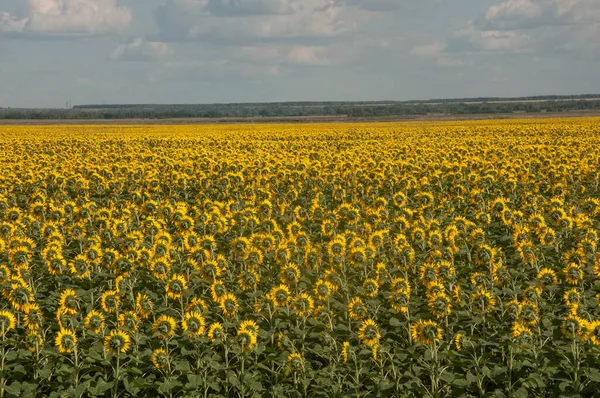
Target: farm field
(429, 258)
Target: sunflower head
(426, 332)
(160, 358)
(193, 323)
(7, 321)
(165, 327)
(369, 332)
(66, 341)
(117, 342)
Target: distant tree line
(299, 109)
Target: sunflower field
(328, 260)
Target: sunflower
(143, 305)
(399, 301)
(33, 316)
(229, 305)
(117, 342)
(216, 332)
(458, 341)
(193, 323)
(66, 341)
(426, 332)
(303, 304)
(369, 332)
(439, 304)
(79, 267)
(398, 284)
(295, 362)
(529, 312)
(217, 290)
(290, 274)
(68, 301)
(592, 333)
(520, 329)
(572, 297)
(7, 321)
(248, 279)
(196, 304)
(128, 320)
(176, 286)
(345, 349)
(250, 326)
(266, 306)
(324, 289)
(246, 339)
(165, 327)
(482, 301)
(94, 321)
(573, 326)
(34, 341)
(110, 301)
(370, 287)
(357, 309)
(160, 358)
(20, 294)
(281, 295)
(573, 273)
(547, 277)
(210, 271)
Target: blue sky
(204, 51)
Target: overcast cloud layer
(204, 51)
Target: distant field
(304, 119)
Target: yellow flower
(303, 304)
(216, 332)
(160, 358)
(165, 327)
(520, 329)
(324, 289)
(370, 287)
(143, 305)
(573, 273)
(482, 301)
(357, 309)
(426, 332)
(176, 286)
(295, 362)
(7, 321)
(281, 295)
(229, 305)
(34, 340)
(110, 301)
(66, 341)
(458, 341)
(369, 332)
(117, 342)
(246, 339)
(592, 333)
(345, 349)
(94, 321)
(439, 305)
(193, 323)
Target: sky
(222, 51)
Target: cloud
(437, 51)
(428, 50)
(67, 17)
(141, 50)
(259, 20)
(528, 14)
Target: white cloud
(255, 21)
(428, 50)
(141, 50)
(60, 17)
